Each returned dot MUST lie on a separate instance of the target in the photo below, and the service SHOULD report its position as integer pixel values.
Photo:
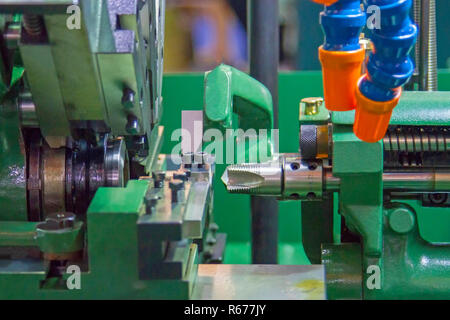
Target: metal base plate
(259, 282)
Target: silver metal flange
(116, 163)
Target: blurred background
(203, 33)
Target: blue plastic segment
(389, 65)
(342, 23)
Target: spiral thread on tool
(389, 66)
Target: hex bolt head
(133, 126)
(158, 178)
(128, 98)
(401, 220)
(177, 188)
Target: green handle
(230, 92)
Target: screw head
(128, 98)
(133, 126)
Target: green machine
(363, 203)
(89, 207)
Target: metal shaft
(282, 180)
(428, 46)
(264, 51)
(407, 180)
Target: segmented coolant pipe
(389, 67)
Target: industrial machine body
(85, 190)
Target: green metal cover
(410, 110)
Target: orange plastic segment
(372, 117)
(325, 2)
(341, 71)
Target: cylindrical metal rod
(264, 46)
(417, 15)
(264, 50)
(428, 46)
(412, 180)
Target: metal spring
(419, 140)
(33, 24)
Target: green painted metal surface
(234, 100)
(17, 233)
(113, 258)
(361, 191)
(228, 91)
(61, 241)
(343, 265)
(409, 266)
(12, 167)
(410, 110)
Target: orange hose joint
(372, 117)
(341, 71)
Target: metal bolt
(177, 187)
(158, 178)
(312, 105)
(128, 98)
(151, 201)
(132, 126)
